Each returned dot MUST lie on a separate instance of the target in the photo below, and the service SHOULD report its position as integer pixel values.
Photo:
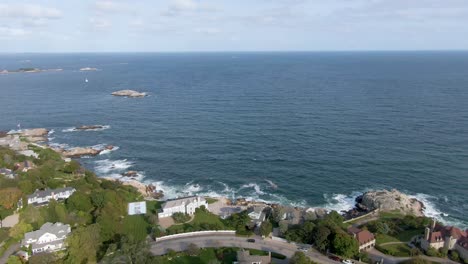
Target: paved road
(377, 255)
(12, 249)
(181, 244)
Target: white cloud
(8, 32)
(100, 23)
(106, 6)
(183, 5)
(208, 30)
(29, 11)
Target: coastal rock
(129, 93)
(79, 151)
(130, 174)
(91, 127)
(387, 201)
(34, 132)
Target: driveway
(12, 249)
(284, 248)
(377, 255)
(10, 220)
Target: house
(186, 205)
(43, 197)
(258, 214)
(244, 257)
(24, 166)
(446, 237)
(50, 238)
(366, 239)
(137, 208)
(8, 173)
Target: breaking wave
(75, 129)
(107, 166)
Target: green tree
(193, 250)
(83, 244)
(266, 228)
(320, 237)
(17, 232)
(345, 245)
(32, 215)
(14, 260)
(278, 214)
(80, 202)
(300, 258)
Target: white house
(257, 214)
(137, 208)
(39, 198)
(186, 205)
(50, 238)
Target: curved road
(202, 241)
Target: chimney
(427, 232)
(433, 223)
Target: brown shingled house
(365, 238)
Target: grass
(153, 206)
(390, 215)
(227, 256)
(397, 250)
(403, 236)
(210, 200)
(205, 217)
(3, 234)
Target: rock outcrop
(129, 93)
(79, 151)
(387, 201)
(91, 127)
(88, 69)
(32, 135)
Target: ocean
(322, 127)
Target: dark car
(251, 240)
(335, 258)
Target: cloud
(100, 23)
(9, 32)
(183, 5)
(208, 31)
(106, 6)
(29, 11)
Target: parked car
(335, 258)
(347, 261)
(251, 240)
(303, 249)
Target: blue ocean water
(323, 127)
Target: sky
(235, 25)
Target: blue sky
(236, 25)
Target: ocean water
(321, 127)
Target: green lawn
(397, 250)
(403, 236)
(205, 217)
(228, 255)
(211, 200)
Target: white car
(347, 261)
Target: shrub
(180, 217)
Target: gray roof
(57, 229)
(48, 192)
(179, 201)
(5, 171)
(56, 242)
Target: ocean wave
(255, 186)
(51, 132)
(75, 129)
(107, 166)
(107, 151)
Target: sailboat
(86, 80)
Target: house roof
(441, 232)
(362, 236)
(181, 201)
(244, 257)
(55, 229)
(48, 192)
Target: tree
(79, 201)
(283, 226)
(180, 217)
(266, 228)
(83, 244)
(454, 255)
(17, 232)
(9, 197)
(193, 250)
(345, 245)
(32, 215)
(320, 237)
(300, 258)
(278, 214)
(14, 260)
(364, 257)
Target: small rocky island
(129, 93)
(88, 69)
(386, 201)
(91, 127)
(27, 70)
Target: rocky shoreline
(129, 93)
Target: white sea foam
(340, 202)
(75, 129)
(51, 132)
(107, 166)
(107, 151)
(255, 186)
